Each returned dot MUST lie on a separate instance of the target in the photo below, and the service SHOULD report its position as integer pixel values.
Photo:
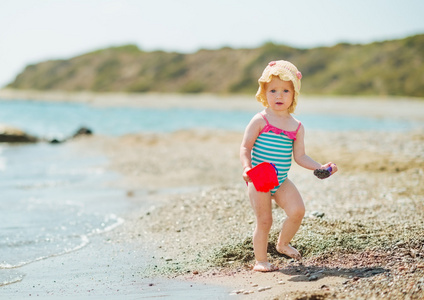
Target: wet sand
(108, 268)
(362, 235)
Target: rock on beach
(10, 134)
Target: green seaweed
(321, 236)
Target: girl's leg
(261, 204)
(289, 199)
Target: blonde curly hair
(285, 71)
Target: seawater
(53, 199)
(61, 119)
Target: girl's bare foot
(289, 251)
(264, 266)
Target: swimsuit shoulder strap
(298, 127)
(263, 116)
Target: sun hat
(285, 71)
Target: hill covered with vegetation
(382, 68)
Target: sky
(33, 31)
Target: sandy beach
(362, 236)
(370, 235)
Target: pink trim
(268, 127)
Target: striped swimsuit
(275, 146)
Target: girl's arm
(250, 134)
(304, 160)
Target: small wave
(9, 277)
(119, 222)
(84, 241)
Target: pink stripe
(290, 134)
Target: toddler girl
(272, 136)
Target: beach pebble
(413, 253)
(261, 289)
(400, 244)
(313, 278)
(254, 285)
(316, 214)
(281, 282)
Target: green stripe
(277, 151)
(274, 143)
(282, 162)
(270, 156)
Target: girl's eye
(286, 91)
(273, 91)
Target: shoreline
(366, 106)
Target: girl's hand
(326, 170)
(332, 165)
(245, 176)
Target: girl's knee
(264, 223)
(297, 214)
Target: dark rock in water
(80, 132)
(55, 141)
(14, 135)
(83, 131)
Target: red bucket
(264, 177)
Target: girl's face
(279, 94)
